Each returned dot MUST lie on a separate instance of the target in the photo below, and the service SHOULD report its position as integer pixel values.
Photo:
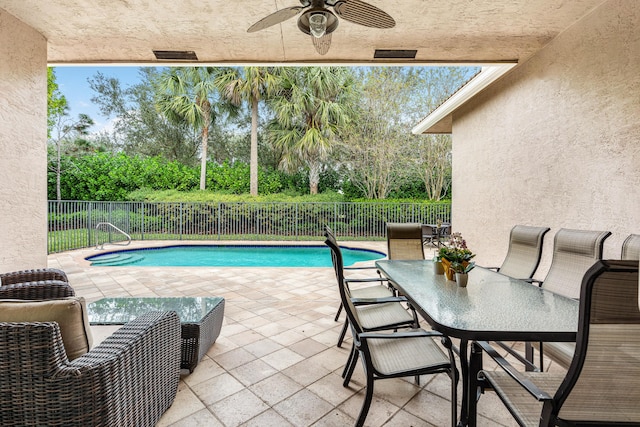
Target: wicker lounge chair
(574, 252)
(601, 385)
(128, 380)
(375, 291)
(404, 241)
(631, 247)
(525, 250)
(406, 353)
(46, 283)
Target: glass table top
(492, 306)
(118, 311)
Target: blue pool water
(231, 256)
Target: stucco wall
(556, 142)
(23, 154)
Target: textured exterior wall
(556, 142)
(23, 154)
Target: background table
(200, 319)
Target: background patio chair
(404, 241)
(383, 309)
(574, 252)
(392, 354)
(128, 380)
(631, 247)
(525, 250)
(602, 384)
(45, 283)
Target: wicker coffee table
(200, 319)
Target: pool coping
(79, 255)
(134, 250)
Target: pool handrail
(100, 246)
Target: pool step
(110, 260)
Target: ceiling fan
(319, 22)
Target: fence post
(89, 225)
(219, 218)
(181, 220)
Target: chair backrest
(337, 268)
(631, 247)
(574, 252)
(525, 249)
(345, 295)
(404, 241)
(603, 380)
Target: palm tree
(186, 94)
(248, 84)
(313, 104)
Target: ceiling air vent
(175, 55)
(395, 54)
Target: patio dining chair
(381, 308)
(37, 284)
(404, 241)
(525, 250)
(602, 384)
(574, 252)
(631, 247)
(411, 352)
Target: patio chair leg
(367, 402)
(352, 354)
(338, 313)
(351, 368)
(343, 333)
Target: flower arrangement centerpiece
(456, 257)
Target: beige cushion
(70, 314)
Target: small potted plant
(456, 253)
(461, 270)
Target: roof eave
(440, 119)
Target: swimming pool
(231, 256)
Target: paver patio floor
(276, 362)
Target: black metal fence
(72, 223)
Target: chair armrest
(411, 333)
(530, 387)
(367, 280)
(132, 377)
(36, 275)
(534, 282)
(369, 301)
(40, 290)
(361, 268)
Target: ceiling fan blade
(275, 18)
(363, 13)
(322, 44)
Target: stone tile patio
(276, 362)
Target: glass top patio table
(492, 306)
(118, 311)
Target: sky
(73, 84)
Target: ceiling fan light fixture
(317, 22)
(318, 25)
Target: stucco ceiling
(127, 31)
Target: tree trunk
(203, 160)
(58, 172)
(314, 177)
(205, 142)
(253, 165)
